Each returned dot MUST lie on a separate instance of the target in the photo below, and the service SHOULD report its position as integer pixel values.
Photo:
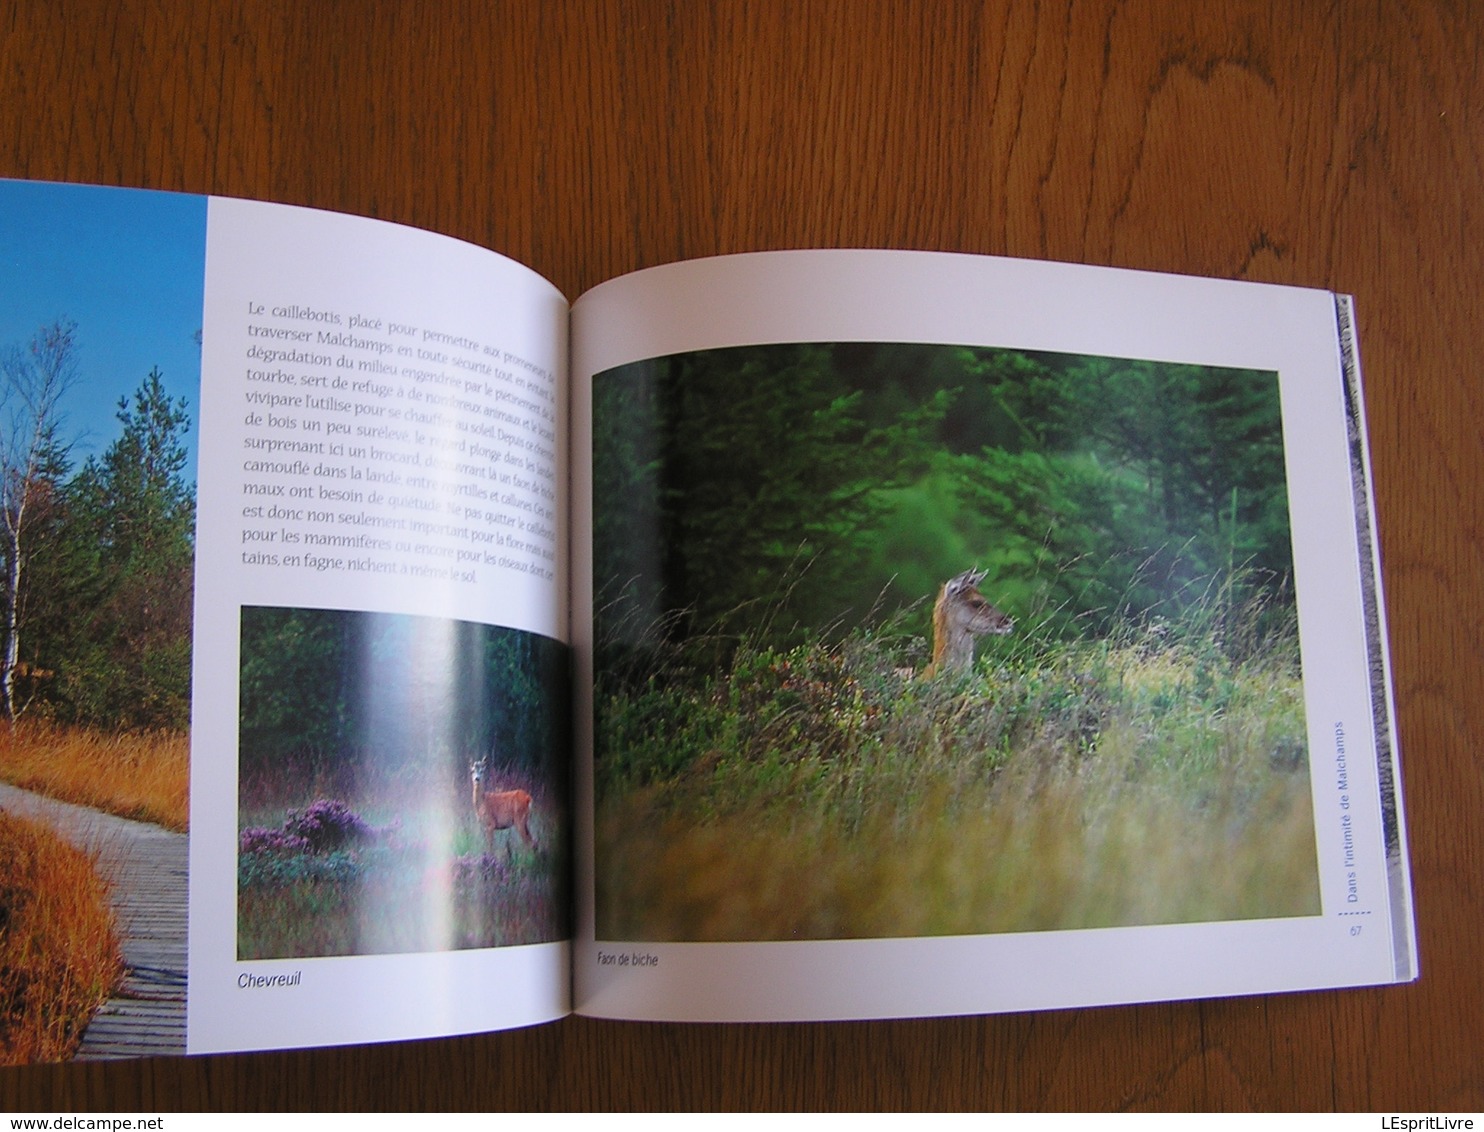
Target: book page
(380, 689)
(286, 650)
(100, 315)
(962, 635)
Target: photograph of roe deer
(907, 640)
(402, 785)
(100, 374)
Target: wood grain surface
(1329, 144)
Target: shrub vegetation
(1155, 775)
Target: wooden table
(1331, 145)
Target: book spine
(1404, 944)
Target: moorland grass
(59, 957)
(144, 775)
(397, 900)
(818, 792)
(417, 874)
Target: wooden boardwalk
(146, 867)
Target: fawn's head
(961, 614)
(961, 608)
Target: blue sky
(129, 268)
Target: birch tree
(33, 381)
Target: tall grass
(1155, 775)
(412, 870)
(141, 775)
(398, 898)
(59, 957)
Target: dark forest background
(334, 684)
(794, 490)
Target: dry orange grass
(59, 957)
(144, 776)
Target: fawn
(961, 614)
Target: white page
(370, 469)
(1361, 934)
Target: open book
(796, 635)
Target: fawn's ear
(965, 581)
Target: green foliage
(737, 484)
(349, 686)
(835, 703)
(109, 601)
(796, 491)
(268, 870)
(692, 726)
(292, 688)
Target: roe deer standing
(961, 614)
(508, 809)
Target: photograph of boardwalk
(100, 327)
(145, 868)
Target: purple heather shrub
(327, 824)
(260, 839)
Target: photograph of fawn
(402, 785)
(909, 640)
